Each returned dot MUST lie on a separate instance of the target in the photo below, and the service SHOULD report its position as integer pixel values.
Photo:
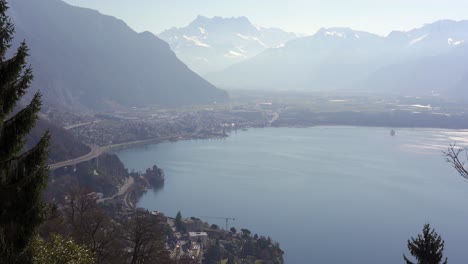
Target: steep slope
(82, 58)
(212, 44)
(427, 60)
(63, 146)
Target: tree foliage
(178, 221)
(231, 260)
(90, 225)
(142, 236)
(60, 251)
(23, 175)
(213, 254)
(426, 248)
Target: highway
(275, 117)
(96, 151)
(123, 191)
(77, 125)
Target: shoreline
(134, 194)
(126, 145)
(381, 132)
(139, 193)
(182, 137)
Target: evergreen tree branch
(15, 78)
(31, 174)
(29, 163)
(16, 128)
(22, 179)
(6, 29)
(407, 260)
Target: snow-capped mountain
(433, 57)
(329, 59)
(212, 44)
(433, 38)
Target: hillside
(83, 59)
(63, 146)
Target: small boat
(392, 132)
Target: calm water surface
(327, 194)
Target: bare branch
(452, 155)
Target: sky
(300, 16)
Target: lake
(326, 194)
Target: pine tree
(426, 248)
(23, 175)
(178, 221)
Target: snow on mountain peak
(234, 55)
(242, 36)
(335, 34)
(258, 28)
(419, 39)
(282, 45)
(255, 39)
(223, 41)
(453, 42)
(343, 33)
(196, 41)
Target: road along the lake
(96, 151)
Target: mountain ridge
(342, 58)
(85, 60)
(212, 44)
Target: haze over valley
(424, 61)
(214, 132)
(230, 53)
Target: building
(192, 225)
(199, 237)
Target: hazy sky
(302, 16)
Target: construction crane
(223, 218)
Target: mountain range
(427, 60)
(212, 44)
(85, 60)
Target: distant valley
(352, 129)
(430, 60)
(88, 61)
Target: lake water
(326, 194)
